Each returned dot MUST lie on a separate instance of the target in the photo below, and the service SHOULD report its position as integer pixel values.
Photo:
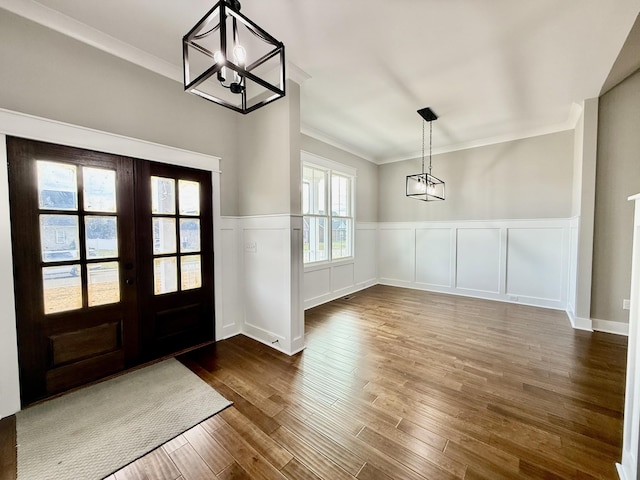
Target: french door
(113, 263)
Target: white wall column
(628, 468)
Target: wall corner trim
(579, 323)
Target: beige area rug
(95, 431)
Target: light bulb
(218, 57)
(240, 54)
(431, 189)
(421, 186)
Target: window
(327, 206)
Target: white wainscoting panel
(366, 262)
(262, 272)
(478, 259)
(317, 283)
(266, 280)
(231, 305)
(519, 261)
(343, 277)
(536, 263)
(324, 282)
(396, 254)
(434, 259)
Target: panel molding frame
(559, 302)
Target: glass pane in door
(165, 275)
(189, 197)
(99, 189)
(103, 283)
(189, 235)
(164, 235)
(190, 272)
(59, 238)
(57, 186)
(62, 288)
(101, 236)
(163, 195)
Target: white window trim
(344, 170)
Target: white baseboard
(621, 472)
(608, 326)
(314, 302)
(580, 323)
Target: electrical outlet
(251, 246)
(512, 298)
(626, 304)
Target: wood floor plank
(295, 470)
(246, 456)
(133, 471)
(263, 444)
(317, 462)
(234, 472)
(404, 385)
(158, 466)
(8, 460)
(214, 455)
(190, 464)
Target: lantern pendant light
(231, 61)
(423, 185)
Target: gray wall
(47, 74)
(366, 181)
(269, 157)
(527, 178)
(617, 177)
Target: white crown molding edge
(569, 124)
(73, 28)
(295, 73)
(575, 113)
(329, 140)
(70, 27)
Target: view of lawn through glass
(64, 264)
(175, 235)
(323, 187)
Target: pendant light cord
(422, 146)
(430, 137)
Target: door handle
(129, 281)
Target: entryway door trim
(37, 128)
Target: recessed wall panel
(534, 262)
(433, 256)
(317, 283)
(342, 277)
(478, 259)
(396, 253)
(365, 268)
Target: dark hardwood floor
(402, 384)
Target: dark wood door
(175, 251)
(113, 263)
(74, 258)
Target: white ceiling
(492, 70)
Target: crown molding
(68, 26)
(569, 124)
(295, 73)
(323, 137)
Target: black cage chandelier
(230, 60)
(424, 186)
